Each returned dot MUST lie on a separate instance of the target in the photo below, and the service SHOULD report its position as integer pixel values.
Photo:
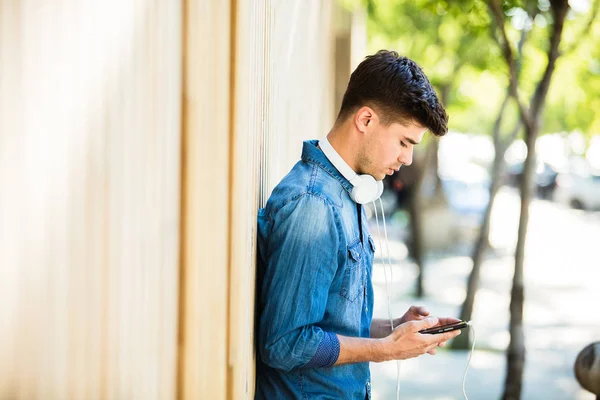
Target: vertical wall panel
(250, 116)
(300, 95)
(283, 94)
(205, 214)
(89, 182)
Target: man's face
(387, 148)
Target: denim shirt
(314, 280)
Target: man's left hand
(416, 313)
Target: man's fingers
(448, 320)
(423, 311)
(419, 310)
(432, 351)
(423, 324)
(439, 338)
(442, 344)
(444, 337)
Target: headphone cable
(469, 361)
(389, 265)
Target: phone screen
(445, 328)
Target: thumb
(421, 311)
(425, 323)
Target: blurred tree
(451, 40)
(442, 37)
(498, 165)
(530, 114)
(462, 342)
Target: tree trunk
(416, 230)
(530, 118)
(415, 205)
(462, 341)
(444, 98)
(481, 245)
(438, 192)
(516, 348)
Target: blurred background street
(561, 314)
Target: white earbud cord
(389, 264)
(387, 245)
(468, 362)
(384, 265)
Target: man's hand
(414, 313)
(406, 341)
(418, 313)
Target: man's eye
(402, 144)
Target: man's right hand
(406, 342)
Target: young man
(316, 334)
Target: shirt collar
(311, 153)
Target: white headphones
(365, 189)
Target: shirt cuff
(327, 352)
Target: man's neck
(341, 141)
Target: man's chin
(379, 176)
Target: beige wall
(137, 141)
(89, 198)
(206, 192)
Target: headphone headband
(338, 161)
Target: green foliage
(453, 41)
(574, 97)
(436, 34)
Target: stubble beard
(366, 164)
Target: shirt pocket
(353, 282)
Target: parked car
(545, 178)
(466, 189)
(467, 198)
(581, 191)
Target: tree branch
(519, 62)
(559, 11)
(513, 134)
(498, 14)
(498, 143)
(498, 122)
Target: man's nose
(406, 157)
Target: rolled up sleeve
(301, 262)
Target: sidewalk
(561, 315)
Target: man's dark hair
(396, 88)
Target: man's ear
(364, 118)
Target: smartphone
(446, 328)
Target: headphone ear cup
(366, 190)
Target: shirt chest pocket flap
(353, 282)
